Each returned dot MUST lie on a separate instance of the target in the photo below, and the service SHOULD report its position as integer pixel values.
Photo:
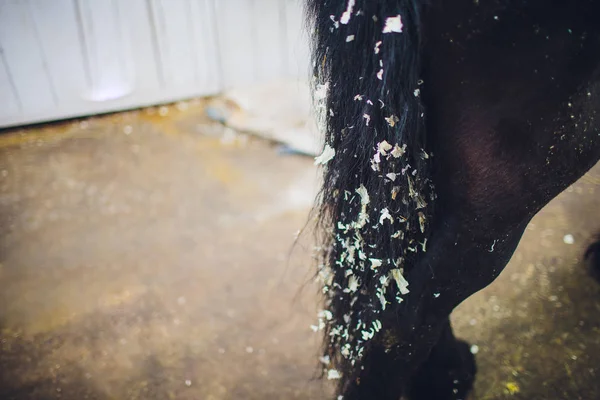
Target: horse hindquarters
(512, 97)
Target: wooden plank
(58, 30)
(298, 52)
(8, 94)
(236, 41)
(204, 47)
(24, 58)
(105, 42)
(270, 52)
(136, 18)
(173, 27)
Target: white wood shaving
(321, 324)
(393, 24)
(333, 374)
(325, 314)
(375, 263)
(374, 166)
(400, 281)
(385, 214)
(398, 151)
(382, 299)
(377, 325)
(391, 120)
(367, 335)
(363, 217)
(349, 38)
(375, 162)
(364, 196)
(345, 18)
(377, 49)
(326, 156)
(352, 284)
(421, 221)
(345, 350)
(383, 147)
(321, 91)
(336, 24)
(367, 118)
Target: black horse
(448, 126)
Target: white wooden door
(68, 58)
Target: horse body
(512, 104)
(508, 109)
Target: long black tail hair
(376, 203)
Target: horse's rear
(512, 98)
(509, 98)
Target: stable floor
(150, 255)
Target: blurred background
(155, 171)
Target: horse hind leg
(448, 373)
(446, 367)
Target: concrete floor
(145, 255)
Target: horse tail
(376, 203)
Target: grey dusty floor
(146, 255)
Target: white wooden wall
(68, 58)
